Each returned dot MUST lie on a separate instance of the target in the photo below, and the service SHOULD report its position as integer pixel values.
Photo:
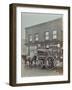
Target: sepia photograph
(41, 44)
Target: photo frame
(39, 44)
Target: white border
(63, 77)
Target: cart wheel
(50, 63)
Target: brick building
(44, 35)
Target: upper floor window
(46, 35)
(30, 37)
(36, 37)
(54, 34)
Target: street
(34, 71)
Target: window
(30, 37)
(35, 47)
(54, 34)
(39, 45)
(46, 35)
(58, 45)
(47, 46)
(36, 37)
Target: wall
(41, 28)
(4, 45)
